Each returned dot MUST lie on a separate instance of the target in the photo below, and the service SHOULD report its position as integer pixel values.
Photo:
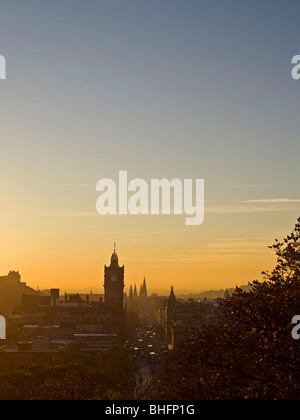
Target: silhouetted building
(25, 353)
(178, 318)
(143, 290)
(13, 277)
(114, 285)
(11, 291)
(170, 310)
(114, 292)
(133, 294)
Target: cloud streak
(272, 201)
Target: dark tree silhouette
(252, 355)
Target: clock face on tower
(114, 286)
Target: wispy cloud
(242, 185)
(72, 184)
(239, 239)
(272, 201)
(256, 206)
(242, 209)
(70, 214)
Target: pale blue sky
(183, 81)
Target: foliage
(252, 355)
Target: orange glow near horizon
(70, 252)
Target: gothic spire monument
(114, 285)
(143, 290)
(171, 307)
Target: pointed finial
(114, 246)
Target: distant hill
(210, 294)
(11, 292)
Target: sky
(163, 89)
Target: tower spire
(145, 291)
(114, 257)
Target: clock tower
(114, 285)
